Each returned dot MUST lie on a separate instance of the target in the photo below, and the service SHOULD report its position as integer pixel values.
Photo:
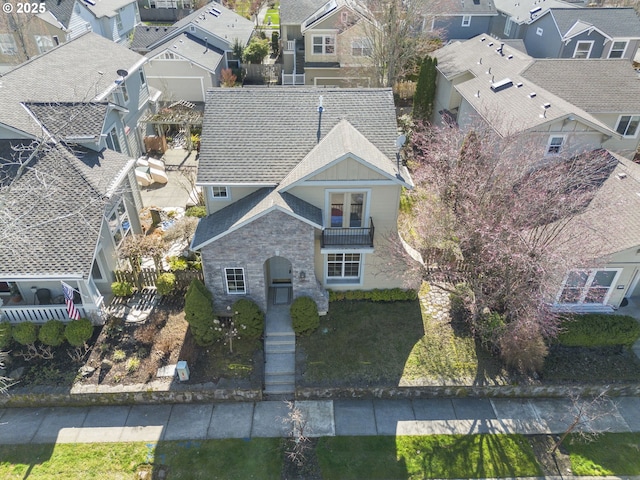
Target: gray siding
(452, 28)
(547, 45)
(596, 49)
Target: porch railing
(291, 46)
(37, 313)
(340, 237)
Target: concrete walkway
(279, 347)
(324, 418)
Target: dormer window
(618, 49)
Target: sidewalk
(324, 418)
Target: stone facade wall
(276, 234)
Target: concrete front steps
(280, 363)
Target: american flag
(73, 312)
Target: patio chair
(44, 296)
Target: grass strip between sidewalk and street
(371, 457)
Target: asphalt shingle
(294, 12)
(615, 22)
(192, 49)
(258, 135)
(68, 120)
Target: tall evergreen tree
(425, 89)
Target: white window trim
(218, 199)
(324, 45)
(335, 281)
(119, 25)
(539, 31)
(624, 50)
(327, 204)
(466, 20)
(562, 145)
(508, 24)
(113, 131)
(637, 128)
(226, 281)
(7, 49)
(590, 42)
(119, 219)
(592, 273)
(361, 44)
(143, 77)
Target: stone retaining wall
(208, 393)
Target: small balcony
(348, 237)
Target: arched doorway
(278, 280)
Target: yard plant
(599, 330)
(25, 333)
(304, 315)
(78, 332)
(5, 335)
(248, 319)
(199, 315)
(166, 283)
(52, 333)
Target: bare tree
(509, 216)
(5, 382)
(395, 31)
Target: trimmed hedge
(198, 312)
(304, 316)
(198, 211)
(599, 330)
(52, 333)
(25, 333)
(77, 332)
(377, 295)
(248, 318)
(5, 335)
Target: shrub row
(598, 330)
(53, 333)
(377, 295)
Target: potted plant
(16, 296)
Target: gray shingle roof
(615, 22)
(519, 10)
(293, 12)
(258, 135)
(611, 222)
(250, 208)
(145, 35)
(61, 9)
(107, 8)
(469, 7)
(75, 71)
(54, 212)
(510, 110)
(341, 141)
(68, 120)
(227, 26)
(595, 85)
(192, 49)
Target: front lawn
(607, 454)
(397, 343)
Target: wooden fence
(146, 278)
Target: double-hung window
(507, 26)
(8, 44)
(466, 20)
(324, 44)
(588, 286)
(119, 21)
(234, 279)
(618, 49)
(628, 125)
(361, 47)
(44, 43)
(555, 144)
(219, 193)
(583, 49)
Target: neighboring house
(112, 19)
(584, 33)
(63, 220)
(24, 36)
(188, 59)
(302, 188)
(51, 92)
(612, 221)
(168, 10)
(515, 17)
(564, 106)
(326, 43)
(462, 20)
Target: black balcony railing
(345, 237)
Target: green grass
(274, 13)
(362, 342)
(435, 456)
(210, 459)
(608, 454)
(386, 343)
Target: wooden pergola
(180, 113)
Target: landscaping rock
(86, 370)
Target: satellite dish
(122, 73)
(400, 141)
